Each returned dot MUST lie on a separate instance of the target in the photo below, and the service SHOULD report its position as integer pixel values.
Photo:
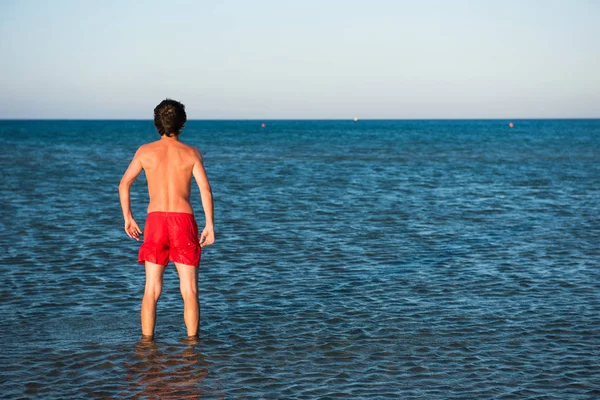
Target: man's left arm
(133, 171)
(208, 233)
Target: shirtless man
(170, 232)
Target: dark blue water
(370, 260)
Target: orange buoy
(262, 125)
(511, 125)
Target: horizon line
(309, 119)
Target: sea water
(368, 260)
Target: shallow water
(382, 259)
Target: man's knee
(189, 293)
(152, 292)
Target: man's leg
(188, 283)
(154, 279)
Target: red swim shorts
(170, 236)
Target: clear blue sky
(300, 59)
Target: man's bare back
(169, 166)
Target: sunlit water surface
(373, 260)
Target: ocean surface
(369, 260)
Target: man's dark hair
(169, 117)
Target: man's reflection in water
(161, 371)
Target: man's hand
(208, 237)
(132, 229)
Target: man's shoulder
(147, 151)
(146, 146)
(192, 149)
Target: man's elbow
(124, 185)
(205, 191)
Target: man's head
(169, 117)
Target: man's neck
(166, 138)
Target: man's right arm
(133, 171)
